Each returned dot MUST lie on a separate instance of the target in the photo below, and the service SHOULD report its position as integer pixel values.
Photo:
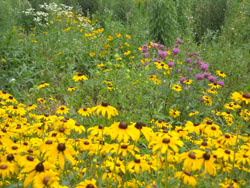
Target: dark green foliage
(163, 21)
(208, 15)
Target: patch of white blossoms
(42, 17)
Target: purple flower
(179, 41)
(199, 59)
(212, 79)
(154, 45)
(171, 64)
(189, 60)
(146, 55)
(199, 76)
(207, 75)
(189, 69)
(221, 83)
(176, 51)
(179, 70)
(204, 66)
(182, 79)
(161, 47)
(162, 54)
(156, 60)
(193, 54)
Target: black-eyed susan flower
(193, 113)
(225, 154)
(138, 165)
(192, 160)
(60, 151)
(165, 143)
(187, 177)
(84, 111)
(18, 110)
(31, 107)
(174, 113)
(241, 97)
(212, 130)
(125, 148)
(79, 76)
(46, 179)
(104, 109)
(97, 131)
(87, 184)
(41, 100)
(176, 87)
(71, 88)
(62, 110)
(43, 85)
(122, 132)
(7, 169)
(208, 160)
(146, 131)
(221, 74)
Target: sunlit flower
(79, 76)
(174, 113)
(87, 184)
(42, 85)
(176, 87)
(187, 177)
(46, 179)
(62, 110)
(104, 109)
(84, 111)
(221, 74)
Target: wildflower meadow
(103, 94)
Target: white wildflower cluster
(42, 17)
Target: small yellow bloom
(176, 87)
(91, 54)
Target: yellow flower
(221, 74)
(187, 178)
(6, 169)
(188, 82)
(104, 109)
(176, 87)
(174, 113)
(193, 113)
(42, 85)
(41, 100)
(4, 60)
(128, 36)
(118, 35)
(62, 110)
(110, 38)
(71, 88)
(87, 184)
(79, 76)
(84, 111)
(127, 52)
(91, 54)
(46, 179)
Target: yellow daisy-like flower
(42, 85)
(122, 132)
(6, 169)
(174, 113)
(84, 111)
(221, 74)
(31, 107)
(46, 179)
(188, 82)
(193, 113)
(41, 100)
(161, 65)
(187, 178)
(176, 87)
(241, 97)
(79, 76)
(127, 52)
(87, 184)
(104, 109)
(71, 88)
(91, 54)
(62, 110)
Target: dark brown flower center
(30, 158)
(204, 143)
(139, 125)
(61, 147)
(124, 146)
(191, 155)
(187, 173)
(100, 127)
(10, 157)
(48, 142)
(90, 186)
(10, 97)
(3, 167)
(206, 156)
(62, 108)
(39, 167)
(105, 104)
(196, 124)
(4, 130)
(118, 164)
(18, 126)
(137, 160)
(61, 130)
(227, 152)
(46, 180)
(209, 122)
(86, 143)
(166, 140)
(213, 128)
(227, 136)
(79, 74)
(246, 95)
(30, 150)
(14, 147)
(123, 125)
